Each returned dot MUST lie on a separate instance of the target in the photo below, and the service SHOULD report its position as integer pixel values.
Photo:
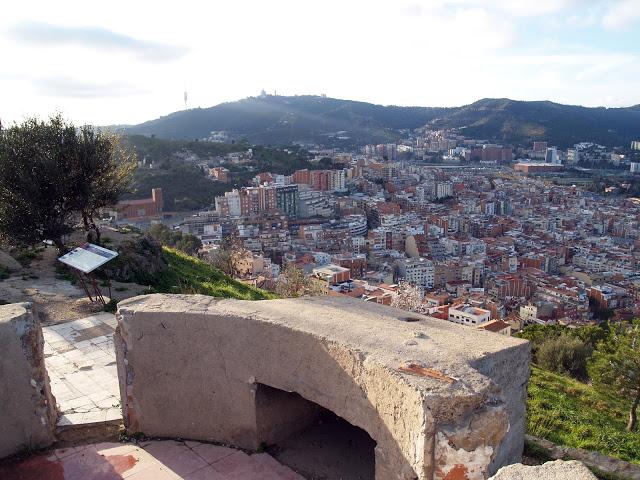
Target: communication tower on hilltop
(185, 99)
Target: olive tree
(36, 193)
(101, 173)
(53, 175)
(615, 365)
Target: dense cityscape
(489, 233)
(338, 240)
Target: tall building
(573, 156)
(540, 147)
(635, 145)
(287, 200)
(551, 156)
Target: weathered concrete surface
(27, 408)
(557, 470)
(190, 367)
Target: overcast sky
(126, 62)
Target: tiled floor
(154, 460)
(81, 363)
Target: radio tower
(185, 99)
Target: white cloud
(40, 34)
(517, 8)
(447, 52)
(622, 14)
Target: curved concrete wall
(190, 367)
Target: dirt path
(55, 298)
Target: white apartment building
(418, 271)
(337, 180)
(529, 313)
(466, 314)
(444, 189)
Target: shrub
(564, 354)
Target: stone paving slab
(153, 460)
(81, 362)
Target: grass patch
(571, 413)
(188, 274)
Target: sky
(120, 62)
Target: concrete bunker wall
(192, 366)
(27, 408)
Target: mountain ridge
(280, 120)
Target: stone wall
(27, 408)
(440, 400)
(594, 460)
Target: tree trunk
(87, 227)
(60, 245)
(633, 417)
(95, 228)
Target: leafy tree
(37, 200)
(294, 283)
(616, 365)
(224, 257)
(101, 173)
(189, 244)
(539, 334)
(51, 174)
(564, 354)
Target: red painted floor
(154, 460)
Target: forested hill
(279, 120)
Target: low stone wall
(558, 470)
(594, 460)
(440, 400)
(27, 408)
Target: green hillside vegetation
(186, 274)
(158, 149)
(278, 120)
(563, 404)
(568, 412)
(514, 121)
(186, 186)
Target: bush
(111, 306)
(564, 354)
(185, 242)
(139, 260)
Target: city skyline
(133, 62)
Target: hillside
(562, 125)
(186, 274)
(279, 120)
(571, 413)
